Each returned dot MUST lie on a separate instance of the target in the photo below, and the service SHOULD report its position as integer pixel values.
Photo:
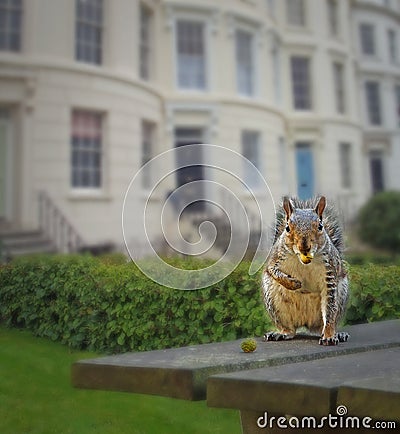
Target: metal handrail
(55, 225)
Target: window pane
(3, 19)
(10, 25)
(88, 31)
(295, 13)
(397, 90)
(15, 20)
(14, 41)
(301, 83)
(244, 62)
(75, 178)
(373, 102)
(377, 171)
(272, 8)
(191, 55)
(148, 150)
(346, 164)
(339, 87)
(367, 39)
(86, 149)
(333, 17)
(392, 45)
(251, 151)
(97, 179)
(145, 42)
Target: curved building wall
(378, 72)
(292, 86)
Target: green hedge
(109, 306)
(374, 294)
(372, 258)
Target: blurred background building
(90, 90)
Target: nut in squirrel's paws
(306, 259)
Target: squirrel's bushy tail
(330, 220)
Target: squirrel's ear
(287, 206)
(319, 209)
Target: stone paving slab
(183, 372)
(311, 388)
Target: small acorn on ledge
(248, 345)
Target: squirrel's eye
(320, 226)
(287, 228)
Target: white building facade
(90, 90)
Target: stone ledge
(183, 372)
(313, 388)
(373, 396)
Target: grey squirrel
(305, 282)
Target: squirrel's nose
(304, 248)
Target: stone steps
(15, 241)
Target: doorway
(5, 165)
(189, 167)
(305, 170)
(377, 171)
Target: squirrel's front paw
(294, 284)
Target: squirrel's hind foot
(277, 336)
(327, 342)
(343, 336)
(338, 337)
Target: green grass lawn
(36, 397)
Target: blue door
(305, 170)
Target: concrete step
(6, 227)
(47, 248)
(15, 234)
(17, 242)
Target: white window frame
(276, 57)
(309, 97)
(148, 145)
(367, 35)
(203, 20)
(392, 46)
(293, 19)
(333, 18)
(251, 149)
(89, 149)
(339, 83)
(11, 13)
(373, 103)
(86, 50)
(146, 41)
(379, 155)
(346, 165)
(397, 103)
(251, 80)
(7, 120)
(271, 7)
